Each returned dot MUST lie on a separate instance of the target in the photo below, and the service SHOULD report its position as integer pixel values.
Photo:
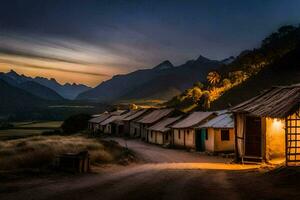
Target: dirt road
(156, 154)
(166, 174)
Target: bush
(75, 123)
(5, 125)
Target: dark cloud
(134, 34)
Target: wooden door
(200, 139)
(253, 137)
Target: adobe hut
(131, 127)
(160, 133)
(153, 117)
(94, 123)
(105, 126)
(184, 133)
(118, 124)
(217, 135)
(267, 127)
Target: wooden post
(286, 141)
(173, 130)
(184, 138)
(236, 138)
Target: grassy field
(48, 124)
(28, 129)
(40, 151)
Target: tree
(199, 85)
(204, 101)
(133, 106)
(237, 77)
(75, 123)
(226, 83)
(196, 94)
(213, 78)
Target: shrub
(75, 123)
(5, 125)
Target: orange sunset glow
(67, 72)
(66, 60)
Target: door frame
(246, 154)
(199, 142)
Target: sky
(88, 41)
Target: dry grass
(40, 151)
(47, 124)
(29, 129)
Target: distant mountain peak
(164, 65)
(53, 79)
(69, 91)
(12, 73)
(202, 59)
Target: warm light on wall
(277, 124)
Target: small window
(167, 136)
(225, 135)
(188, 132)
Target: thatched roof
(193, 120)
(121, 118)
(115, 118)
(224, 120)
(277, 102)
(162, 125)
(118, 112)
(104, 116)
(155, 115)
(137, 114)
(100, 118)
(109, 120)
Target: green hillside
(285, 71)
(252, 71)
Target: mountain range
(160, 82)
(17, 99)
(275, 62)
(48, 89)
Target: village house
(217, 135)
(131, 127)
(104, 125)
(161, 133)
(267, 127)
(184, 133)
(94, 123)
(153, 117)
(119, 126)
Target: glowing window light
(277, 124)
